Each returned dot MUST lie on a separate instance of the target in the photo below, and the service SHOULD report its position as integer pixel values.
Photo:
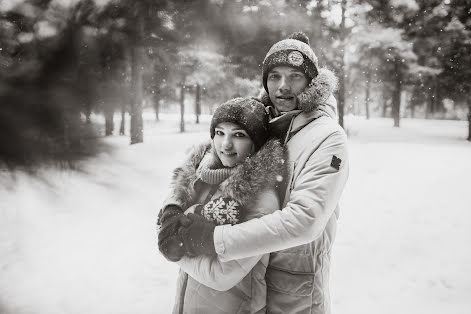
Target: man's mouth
(285, 97)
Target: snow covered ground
(84, 242)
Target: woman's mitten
(223, 211)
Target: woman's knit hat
(294, 52)
(249, 113)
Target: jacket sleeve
(218, 275)
(222, 276)
(314, 197)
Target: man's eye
(218, 132)
(296, 76)
(239, 134)
(273, 76)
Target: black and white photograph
(235, 156)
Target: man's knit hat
(249, 113)
(294, 52)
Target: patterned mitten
(223, 211)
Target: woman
(231, 180)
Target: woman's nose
(227, 142)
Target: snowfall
(85, 241)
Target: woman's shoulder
(265, 202)
(261, 171)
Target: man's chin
(285, 106)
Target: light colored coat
(206, 284)
(302, 233)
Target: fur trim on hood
(262, 170)
(315, 94)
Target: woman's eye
(218, 132)
(239, 134)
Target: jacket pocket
(290, 282)
(289, 291)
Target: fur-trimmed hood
(315, 94)
(260, 171)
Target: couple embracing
(252, 215)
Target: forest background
(63, 60)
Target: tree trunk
(109, 123)
(432, 101)
(182, 107)
(137, 54)
(156, 108)
(367, 95)
(198, 103)
(341, 103)
(469, 122)
(385, 105)
(123, 121)
(137, 90)
(396, 99)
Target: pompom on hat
(249, 113)
(294, 52)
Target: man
(303, 111)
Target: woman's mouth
(229, 154)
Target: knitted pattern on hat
(294, 52)
(248, 113)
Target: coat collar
(262, 170)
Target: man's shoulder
(325, 126)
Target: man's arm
(218, 275)
(222, 276)
(312, 202)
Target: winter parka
(206, 284)
(301, 234)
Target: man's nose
(284, 86)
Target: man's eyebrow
(296, 71)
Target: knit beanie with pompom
(249, 113)
(294, 52)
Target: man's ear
(318, 90)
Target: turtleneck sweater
(211, 175)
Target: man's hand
(197, 236)
(170, 244)
(168, 212)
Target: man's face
(284, 84)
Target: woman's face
(232, 144)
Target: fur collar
(316, 94)
(264, 169)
